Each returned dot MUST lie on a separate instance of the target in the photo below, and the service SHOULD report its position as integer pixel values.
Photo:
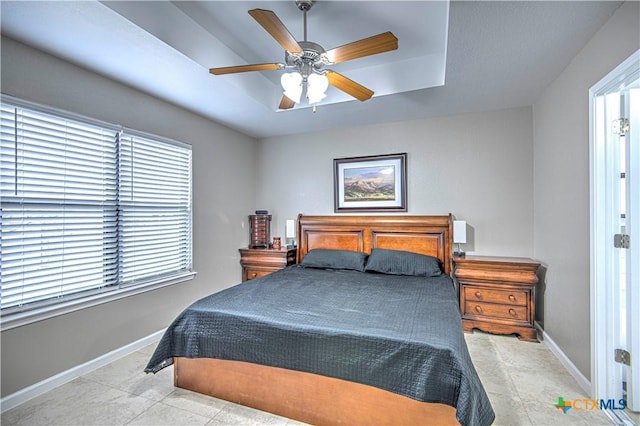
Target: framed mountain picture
(370, 184)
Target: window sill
(19, 319)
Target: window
(154, 208)
(87, 209)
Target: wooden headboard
(430, 235)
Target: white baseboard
(24, 395)
(566, 362)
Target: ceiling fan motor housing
(313, 56)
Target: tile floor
(523, 381)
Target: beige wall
(477, 166)
(35, 352)
(561, 182)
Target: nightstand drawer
(496, 296)
(252, 274)
(490, 310)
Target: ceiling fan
(309, 59)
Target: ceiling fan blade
(245, 68)
(380, 43)
(349, 86)
(272, 24)
(286, 103)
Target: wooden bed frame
(316, 399)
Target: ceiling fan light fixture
(292, 85)
(317, 85)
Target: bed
(343, 336)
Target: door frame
(602, 317)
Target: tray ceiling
(453, 57)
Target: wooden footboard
(305, 397)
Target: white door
(615, 237)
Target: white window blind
(86, 209)
(58, 207)
(155, 208)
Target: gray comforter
(399, 333)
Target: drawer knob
(478, 294)
(478, 309)
(512, 298)
(512, 312)
(254, 274)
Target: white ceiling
(489, 55)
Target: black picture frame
(376, 183)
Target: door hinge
(621, 241)
(623, 357)
(620, 126)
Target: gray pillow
(398, 262)
(335, 259)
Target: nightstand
(259, 262)
(497, 294)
